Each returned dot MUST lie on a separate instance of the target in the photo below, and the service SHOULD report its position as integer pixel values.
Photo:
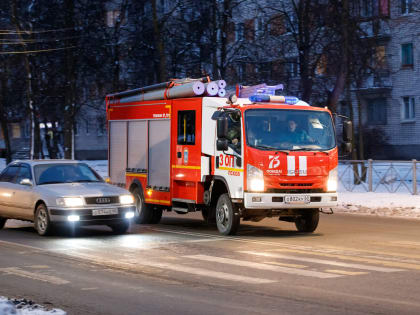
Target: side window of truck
(186, 127)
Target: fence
(379, 176)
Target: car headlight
(70, 202)
(126, 199)
(255, 178)
(332, 181)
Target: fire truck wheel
(308, 222)
(209, 214)
(227, 216)
(144, 212)
(156, 216)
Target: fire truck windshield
(281, 129)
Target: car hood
(81, 189)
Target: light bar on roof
(257, 98)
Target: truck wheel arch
(134, 184)
(220, 187)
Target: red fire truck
(232, 158)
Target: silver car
(62, 192)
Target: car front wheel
(120, 228)
(42, 222)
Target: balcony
(376, 28)
(379, 82)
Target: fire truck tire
(209, 214)
(144, 212)
(227, 216)
(156, 216)
(308, 222)
(2, 222)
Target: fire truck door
(186, 158)
(229, 164)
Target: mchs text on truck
(182, 146)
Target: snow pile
(25, 307)
(383, 204)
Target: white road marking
(325, 262)
(206, 273)
(38, 266)
(33, 275)
(347, 273)
(250, 264)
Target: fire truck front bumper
(289, 201)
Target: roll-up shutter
(117, 151)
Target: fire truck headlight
(255, 178)
(332, 182)
(126, 199)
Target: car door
(7, 191)
(24, 194)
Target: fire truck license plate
(297, 199)
(105, 211)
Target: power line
(35, 51)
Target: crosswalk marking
(321, 261)
(33, 275)
(235, 262)
(368, 259)
(285, 265)
(346, 273)
(207, 273)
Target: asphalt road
(351, 264)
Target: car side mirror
(222, 127)
(222, 144)
(26, 182)
(347, 131)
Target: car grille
(102, 200)
(294, 191)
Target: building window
(408, 112)
(186, 127)
(239, 32)
(112, 17)
(380, 57)
(292, 67)
(377, 111)
(406, 6)
(407, 55)
(87, 126)
(16, 131)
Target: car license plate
(297, 199)
(105, 211)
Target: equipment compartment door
(186, 156)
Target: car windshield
(64, 173)
(297, 130)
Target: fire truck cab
(231, 159)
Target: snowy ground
(399, 204)
(25, 307)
